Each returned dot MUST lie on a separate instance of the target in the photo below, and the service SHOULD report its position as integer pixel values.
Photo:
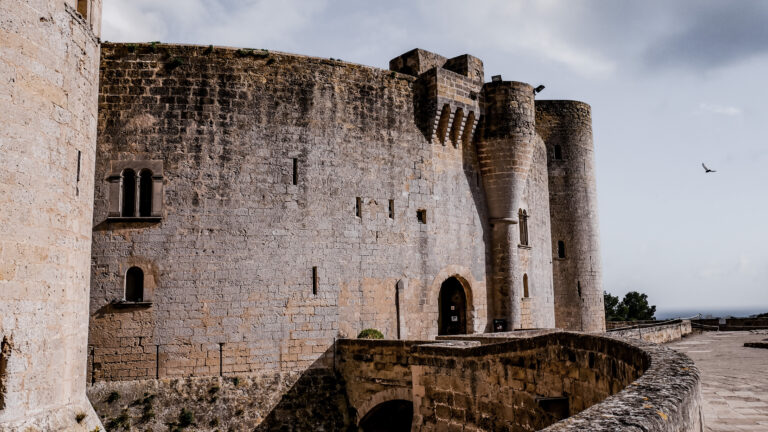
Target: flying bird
(707, 170)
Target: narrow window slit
(314, 280)
(5, 352)
(391, 209)
(77, 179)
(295, 171)
(558, 152)
(358, 206)
(145, 193)
(128, 208)
(523, 223)
(560, 249)
(525, 285)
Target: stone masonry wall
(313, 400)
(498, 386)
(49, 58)
(503, 382)
(231, 259)
(663, 333)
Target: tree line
(633, 307)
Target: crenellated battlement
(448, 103)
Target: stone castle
(253, 207)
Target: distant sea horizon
(663, 314)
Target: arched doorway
(453, 308)
(391, 416)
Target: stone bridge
(556, 382)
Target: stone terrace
(734, 379)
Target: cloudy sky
(671, 84)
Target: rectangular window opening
(82, 7)
(295, 171)
(314, 280)
(358, 206)
(421, 215)
(391, 209)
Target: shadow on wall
(317, 401)
(472, 172)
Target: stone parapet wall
(732, 324)
(657, 333)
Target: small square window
(421, 215)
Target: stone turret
(566, 127)
(48, 87)
(505, 152)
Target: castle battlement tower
(566, 127)
(49, 71)
(505, 151)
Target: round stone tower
(49, 72)
(566, 128)
(505, 154)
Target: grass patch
(123, 421)
(174, 63)
(79, 417)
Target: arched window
(134, 285)
(558, 152)
(560, 249)
(523, 222)
(128, 207)
(145, 193)
(525, 285)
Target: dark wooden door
(453, 308)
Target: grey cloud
(714, 34)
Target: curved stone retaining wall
(527, 384)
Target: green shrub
(370, 334)
(186, 418)
(114, 396)
(79, 417)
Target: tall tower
(49, 71)
(566, 128)
(505, 153)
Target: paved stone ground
(734, 379)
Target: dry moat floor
(734, 380)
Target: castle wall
(573, 205)
(535, 261)
(230, 261)
(48, 89)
